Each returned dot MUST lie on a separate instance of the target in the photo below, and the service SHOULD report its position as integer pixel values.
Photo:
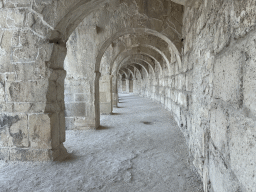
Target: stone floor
(138, 149)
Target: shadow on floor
(116, 113)
(103, 128)
(69, 157)
(146, 122)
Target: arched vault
(136, 59)
(108, 42)
(153, 57)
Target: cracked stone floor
(138, 149)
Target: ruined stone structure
(62, 63)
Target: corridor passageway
(139, 148)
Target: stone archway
(34, 48)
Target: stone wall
(220, 48)
(212, 94)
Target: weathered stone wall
(212, 94)
(219, 65)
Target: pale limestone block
(40, 131)
(227, 77)
(27, 91)
(242, 146)
(30, 155)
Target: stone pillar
(106, 94)
(123, 85)
(130, 86)
(134, 85)
(114, 92)
(97, 99)
(32, 118)
(127, 85)
(119, 85)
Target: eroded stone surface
(197, 60)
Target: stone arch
(142, 56)
(127, 60)
(50, 52)
(144, 53)
(124, 72)
(137, 61)
(133, 68)
(108, 42)
(131, 72)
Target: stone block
(183, 99)
(174, 95)
(5, 49)
(52, 92)
(3, 15)
(62, 128)
(54, 107)
(13, 131)
(180, 81)
(28, 107)
(58, 56)
(26, 91)
(6, 108)
(80, 97)
(18, 131)
(242, 145)
(249, 90)
(227, 80)
(75, 110)
(2, 88)
(60, 91)
(35, 22)
(103, 97)
(69, 98)
(221, 177)
(189, 81)
(15, 17)
(30, 155)
(55, 130)
(30, 71)
(105, 108)
(28, 51)
(84, 123)
(40, 129)
(75, 87)
(4, 134)
(219, 130)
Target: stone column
(127, 85)
(123, 85)
(32, 118)
(130, 86)
(114, 92)
(134, 85)
(106, 94)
